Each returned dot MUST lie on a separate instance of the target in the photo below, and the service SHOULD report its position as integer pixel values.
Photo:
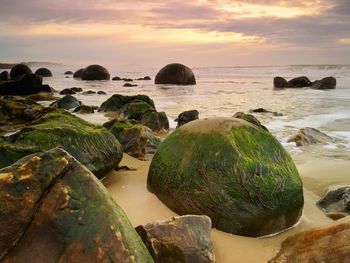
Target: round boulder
(280, 83)
(78, 73)
(232, 171)
(43, 72)
(95, 72)
(176, 74)
(20, 70)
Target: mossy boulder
(186, 117)
(43, 72)
(234, 172)
(94, 146)
(135, 109)
(55, 210)
(67, 102)
(156, 121)
(249, 118)
(19, 70)
(117, 101)
(176, 74)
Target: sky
(196, 33)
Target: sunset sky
(197, 33)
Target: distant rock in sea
(19, 70)
(176, 74)
(95, 72)
(43, 72)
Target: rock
(43, 96)
(230, 170)
(25, 85)
(67, 92)
(280, 83)
(50, 206)
(186, 117)
(176, 74)
(127, 79)
(67, 102)
(262, 110)
(78, 74)
(326, 244)
(336, 201)
(183, 239)
(43, 72)
(4, 75)
(76, 89)
(83, 109)
(116, 78)
(137, 140)
(95, 72)
(300, 82)
(156, 121)
(135, 109)
(249, 118)
(68, 72)
(306, 136)
(89, 92)
(117, 101)
(325, 83)
(19, 70)
(93, 146)
(100, 92)
(129, 85)
(147, 78)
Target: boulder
(101, 92)
(137, 140)
(307, 135)
(67, 92)
(336, 201)
(176, 74)
(76, 89)
(43, 72)
(89, 92)
(129, 85)
(186, 117)
(67, 102)
(232, 171)
(83, 109)
(300, 82)
(325, 83)
(19, 70)
(249, 118)
(280, 83)
(182, 239)
(116, 78)
(93, 146)
(117, 101)
(78, 74)
(147, 78)
(127, 79)
(25, 85)
(262, 110)
(4, 75)
(50, 206)
(329, 244)
(68, 72)
(95, 72)
(156, 121)
(135, 109)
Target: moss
(135, 109)
(117, 101)
(242, 178)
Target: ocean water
(222, 91)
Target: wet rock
(326, 244)
(43, 72)
(4, 75)
(307, 135)
(89, 92)
(135, 109)
(156, 121)
(43, 96)
(100, 92)
(145, 78)
(117, 101)
(19, 70)
(279, 82)
(176, 74)
(67, 102)
(78, 74)
(116, 78)
(94, 146)
(50, 206)
(262, 110)
(230, 170)
(76, 89)
(336, 201)
(67, 92)
(249, 118)
(95, 72)
(186, 117)
(127, 79)
(325, 83)
(68, 72)
(83, 109)
(300, 82)
(129, 85)
(183, 239)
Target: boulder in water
(280, 83)
(67, 102)
(95, 72)
(325, 83)
(300, 82)
(176, 74)
(307, 135)
(68, 72)
(186, 117)
(43, 72)
(24, 85)
(19, 70)
(77, 74)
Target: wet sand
(129, 190)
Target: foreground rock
(325, 83)
(67, 102)
(43, 96)
(249, 118)
(95, 72)
(176, 74)
(183, 239)
(93, 146)
(137, 140)
(24, 85)
(43, 72)
(50, 206)
(4, 75)
(336, 201)
(186, 117)
(234, 172)
(19, 70)
(306, 136)
(328, 244)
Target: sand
(129, 190)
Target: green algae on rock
(234, 172)
(55, 210)
(93, 146)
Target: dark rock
(76, 89)
(78, 73)
(249, 118)
(156, 121)
(47, 88)
(116, 78)
(183, 239)
(95, 72)
(262, 110)
(43, 72)
(186, 117)
(325, 83)
(67, 77)
(228, 169)
(19, 70)
(94, 146)
(67, 92)
(67, 102)
(135, 109)
(50, 206)
(129, 85)
(4, 75)
(336, 201)
(176, 74)
(299, 82)
(280, 83)
(89, 92)
(127, 79)
(305, 136)
(83, 109)
(117, 101)
(326, 244)
(100, 92)
(43, 96)
(68, 72)
(147, 78)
